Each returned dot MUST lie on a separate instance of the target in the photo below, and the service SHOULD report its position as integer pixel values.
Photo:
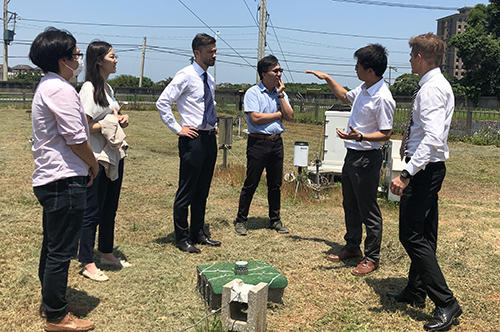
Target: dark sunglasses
(77, 56)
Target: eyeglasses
(113, 57)
(77, 56)
(277, 70)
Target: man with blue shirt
(266, 106)
(370, 123)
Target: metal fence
(466, 121)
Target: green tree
(479, 48)
(130, 81)
(404, 85)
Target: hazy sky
(314, 34)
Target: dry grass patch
(158, 293)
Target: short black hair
(264, 64)
(50, 46)
(201, 40)
(373, 56)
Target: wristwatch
(360, 137)
(405, 174)
(280, 95)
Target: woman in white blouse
(106, 140)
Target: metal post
(5, 76)
(468, 124)
(142, 62)
(262, 33)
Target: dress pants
(197, 162)
(360, 180)
(268, 154)
(102, 203)
(63, 203)
(418, 231)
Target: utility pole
(262, 33)
(142, 62)
(5, 76)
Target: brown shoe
(344, 254)
(69, 323)
(365, 267)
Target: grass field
(158, 293)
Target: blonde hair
(429, 46)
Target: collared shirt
(432, 113)
(97, 113)
(372, 111)
(187, 90)
(58, 121)
(259, 99)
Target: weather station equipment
(225, 137)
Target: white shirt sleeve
(164, 104)
(431, 116)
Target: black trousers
(268, 154)
(360, 179)
(102, 203)
(197, 163)
(418, 232)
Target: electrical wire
(392, 4)
(137, 25)
(192, 12)
(281, 49)
(340, 34)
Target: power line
(254, 19)
(214, 32)
(340, 34)
(139, 25)
(392, 4)
(279, 44)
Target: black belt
(207, 132)
(265, 136)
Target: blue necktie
(209, 115)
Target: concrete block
(244, 313)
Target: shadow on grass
(82, 298)
(334, 249)
(393, 285)
(255, 223)
(170, 238)
(116, 252)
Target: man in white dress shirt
(419, 183)
(193, 89)
(370, 123)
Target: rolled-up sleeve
(66, 107)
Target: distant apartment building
(447, 27)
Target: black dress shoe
(404, 298)
(187, 246)
(205, 240)
(443, 317)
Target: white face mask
(78, 69)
